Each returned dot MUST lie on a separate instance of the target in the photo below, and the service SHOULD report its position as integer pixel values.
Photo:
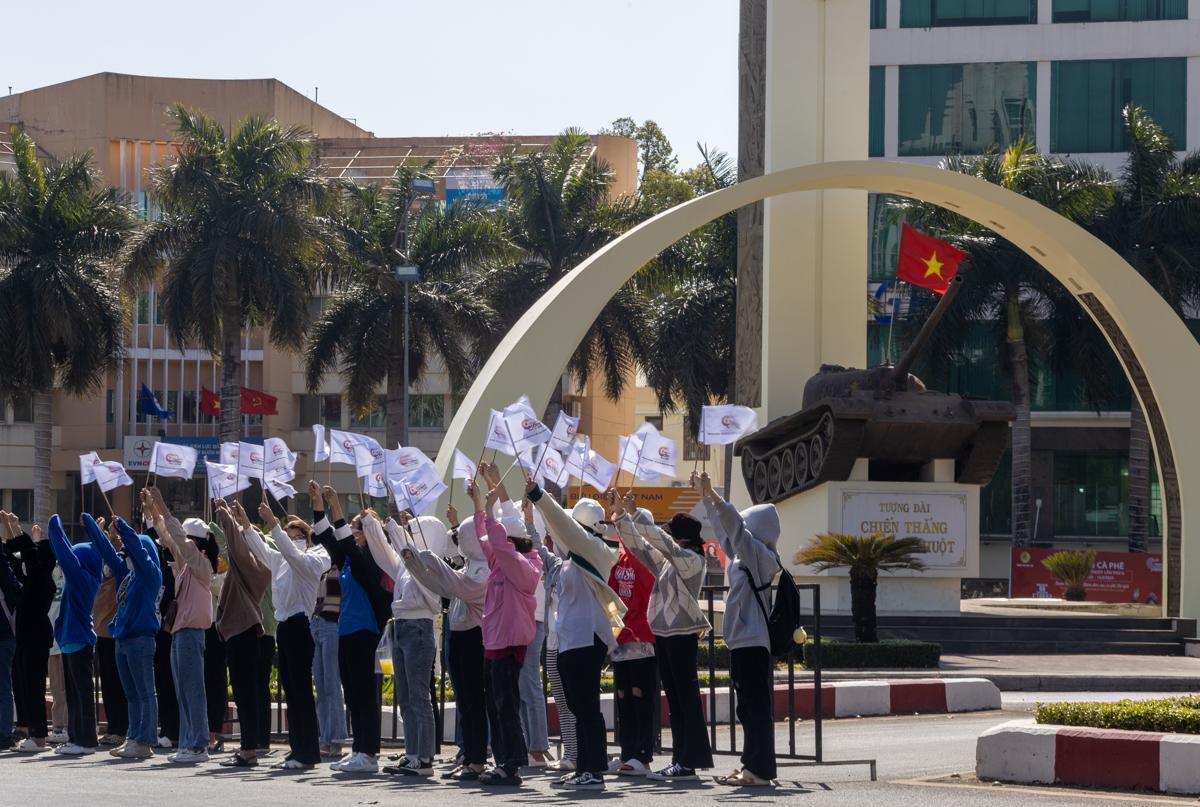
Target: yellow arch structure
(1158, 353)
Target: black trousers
(467, 676)
(637, 696)
(81, 708)
(753, 680)
(504, 713)
(356, 663)
(579, 670)
(263, 665)
(164, 687)
(676, 657)
(296, 651)
(112, 691)
(30, 667)
(216, 686)
(241, 653)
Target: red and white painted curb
(1031, 753)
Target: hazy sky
(440, 67)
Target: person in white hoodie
(297, 568)
(587, 622)
(748, 539)
(413, 646)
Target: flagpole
(111, 514)
(636, 466)
(538, 467)
(506, 473)
(892, 322)
(270, 497)
(514, 448)
(621, 462)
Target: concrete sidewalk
(1058, 673)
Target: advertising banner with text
(1116, 577)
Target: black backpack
(785, 611)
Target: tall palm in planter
(241, 240)
(865, 557)
(557, 212)
(361, 330)
(1154, 223)
(1007, 292)
(61, 319)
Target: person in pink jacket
(514, 573)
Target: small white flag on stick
(722, 425)
(631, 450)
(464, 467)
(278, 460)
(223, 480)
(553, 469)
(369, 456)
(598, 472)
(341, 446)
(250, 460)
(419, 491)
(111, 475)
(564, 432)
(575, 459)
(229, 453)
(321, 444)
(86, 461)
(403, 462)
(659, 455)
(375, 484)
(497, 438)
(173, 460)
(526, 430)
(280, 490)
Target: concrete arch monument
(1158, 353)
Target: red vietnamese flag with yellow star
(927, 262)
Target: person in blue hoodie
(81, 567)
(139, 579)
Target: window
(1086, 100)
(323, 409)
(883, 245)
(426, 411)
(22, 504)
(1118, 10)
(879, 13)
(965, 109)
(109, 406)
(143, 309)
(655, 420)
(22, 406)
(1091, 493)
(875, 116)
(373, 419)
(937, 13)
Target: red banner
(1116, 577)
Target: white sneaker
(164, 742)
(30, 746)
(337, 766)
(73, 750)
(358, 763)
(615, 764)
(57, 737)
(292, 765)
(188, 757)
(133, 750)
(632, 767)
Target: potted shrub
(1072, 566)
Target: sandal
(499, 776)
(238, 761)
(744, 778)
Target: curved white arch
(1158, 353)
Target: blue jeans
(412, 657)
(331, 709)
(187, 672)
(533, 696)
(8, 648)
(135, 665)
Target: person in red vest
(634, 664)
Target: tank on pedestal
(884, 415)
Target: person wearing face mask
(134, 628)
(192, 616)
(361, 618)
(748, 539)
(675, 557)
(33, 565)
(81, 566)
(466, 588)
(588, 619)
(296, 568)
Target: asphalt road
(907, 748)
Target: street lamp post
(409, 273)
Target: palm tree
(1008, 294)
(240, 241)
(1073, 567)
(1154, 223)
(865, 557)
(361, 331)
(61, 320)
(557, 212)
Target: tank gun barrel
(902, 368)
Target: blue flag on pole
(149, 405)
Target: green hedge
(720, 654)
(1179, 715)
(888, 654)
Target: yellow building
(123, 120)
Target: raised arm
(234, 524)
(311, 565)
(647, 555)
(143, 562)
(60, 545)
(271, 558)
(104, 547)
(436, 575)
(171, 533)
(385, 556)
(569, 532)
(521, 571)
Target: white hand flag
(575, 458)
(111, 475)
(341, 446)
(229, 453)
(464, 468)
(564, 432)
(526, 430)
(419, 491)
(598, 472)
(369, 457)
(659, 455)
(401, 463)
(321, 445)
(280, 490)
(497, 438)
(173, 460)
(278, 460)
(631, 449)
(223, 480)
(553, 469)
(86, 461)
(721, 425)
(250, 460)
(375, 484)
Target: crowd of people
(175, 615)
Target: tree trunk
(1022, 438)
(1139, 477)
(863, 587)
(752, 92)
(42, 408)
(231, 365)
(395, 432)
